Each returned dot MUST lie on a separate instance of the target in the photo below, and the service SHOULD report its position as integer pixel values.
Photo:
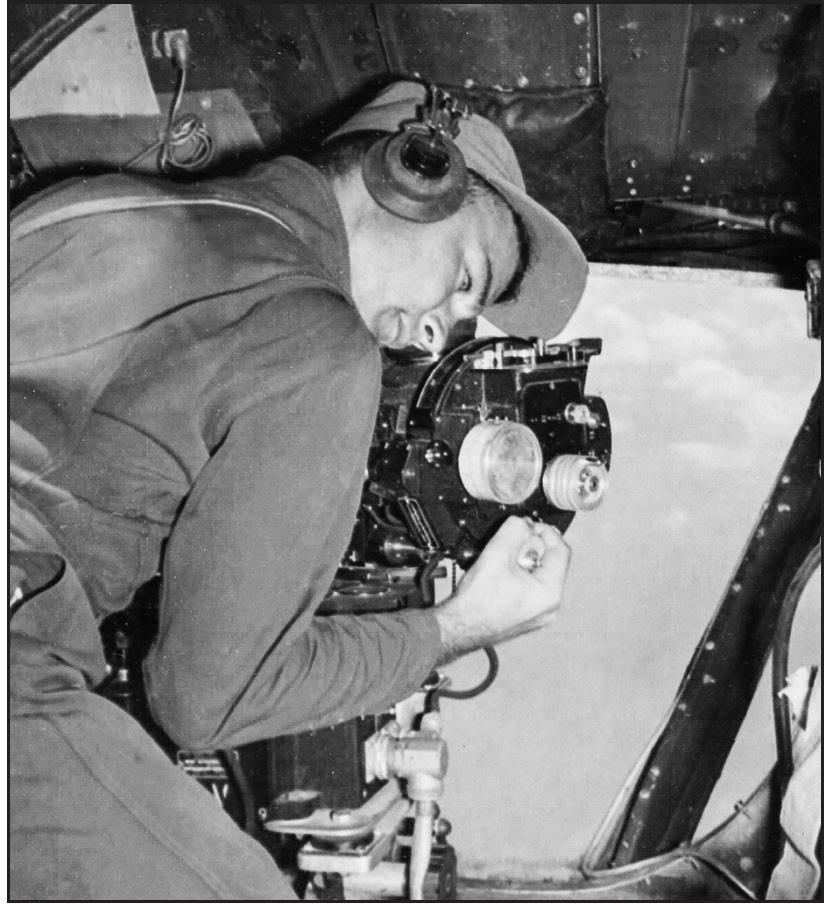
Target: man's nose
(431, 334)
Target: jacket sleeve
(240, 655)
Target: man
(195, 374)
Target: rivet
(581, 71)
(633, 191)
(579, 18)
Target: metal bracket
(442, 113)
(812, 296)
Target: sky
(706, 385)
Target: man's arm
(240, 655)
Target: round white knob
(500, 461)
(575, 483)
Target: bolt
(630, 180)
(469, 83)
(633, 192)
(685, 189)
(579, 18)
(443, 827)
(687, 178)
(581, 72)
(206, 103)
(522, 81)
(633, 163)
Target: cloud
(675, 519)
(732, 401)
(713, 456)
(680, 337)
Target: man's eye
(466, 282)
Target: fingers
(531, 553)
(543, 543)
(549, 533)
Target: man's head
(500, 254)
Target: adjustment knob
(575, 483)
(500, 461)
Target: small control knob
(581, 414)
(575, 483)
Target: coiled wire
(186, 144)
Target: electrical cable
(479, 688)
(186, 143)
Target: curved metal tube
(45, 39)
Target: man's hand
(515, 587)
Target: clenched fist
(514, 587)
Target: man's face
(413, 282)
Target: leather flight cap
(554, 281)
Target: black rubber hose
(471, 692)
(45, 39)
(780, 665)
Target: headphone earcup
(415, 179)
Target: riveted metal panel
(643, 55)
(695, 98)
(493, 45)
(734, 56)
